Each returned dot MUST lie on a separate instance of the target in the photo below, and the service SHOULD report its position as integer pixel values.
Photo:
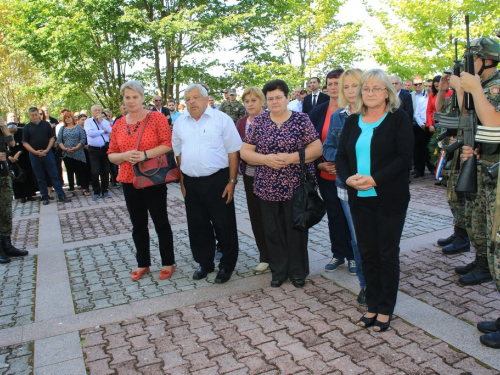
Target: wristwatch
(234, 181)
(145, 155)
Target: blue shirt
(363, 148)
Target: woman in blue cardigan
(373, 158)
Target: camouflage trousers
(481, 209)
(458, 208)
(5, 206)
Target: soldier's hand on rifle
(444, 83)
(470, 83)
(467, 152)
(455, 83)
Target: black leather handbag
(307, 207)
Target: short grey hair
(391, 103)
(399, 79)
(203, 90)
(132, 85)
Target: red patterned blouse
(157, 133)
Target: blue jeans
(47, 164)
(354, 244)
(340, 238)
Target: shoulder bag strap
(142, 131)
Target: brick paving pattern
(79, 200)
(270, 331)
(25, 233)
(109, 221)
(429, 275)
(430, 195)
(17, 292)
(25, 209)
(16, 359)
(100, 275)
(417, 222)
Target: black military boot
(480, 274)
(462, 270)
(4, 258)
(460, 244)
(447, 241)
(11, 250)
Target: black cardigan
(391, 154)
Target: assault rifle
(467, 181)
(455, 109)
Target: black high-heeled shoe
(368, 322)
(382, 326)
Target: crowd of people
(360, 134)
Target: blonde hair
(354, 73)
(254, 90)
(391, 103)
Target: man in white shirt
(296, 103)
(421, 153)
(206, 144)
(98, 131)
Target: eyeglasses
(375, 90)
(278, 98)
(417, 84)
(157, 100)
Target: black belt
(97, 148)
(205, 177)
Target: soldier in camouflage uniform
(486, 94)
(459, 241)
(6, 248)
(232, 107)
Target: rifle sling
(451, 194)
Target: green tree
(418, 35)
(86, 45)
(322, 42)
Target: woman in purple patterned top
(272, 144)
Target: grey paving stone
(16, 359)
(107, 282)
(25, 233)
(17, 291)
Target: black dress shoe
(276, 283)
(222, 276)
(489, 327)
(491, 340)
(202, 273)
(31, 199)
(299, 283)
(46, 201)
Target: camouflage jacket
(235, 109)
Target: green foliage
(418, 39)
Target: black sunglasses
(157, 100)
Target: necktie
(314, 100)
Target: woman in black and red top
(156, 140)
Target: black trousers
(378, 238)
(76, 167)
(99, 164)
(421, 155)
(255, 218)
(340, 237)
(153, 200)
(287, 247)
(207, 212)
